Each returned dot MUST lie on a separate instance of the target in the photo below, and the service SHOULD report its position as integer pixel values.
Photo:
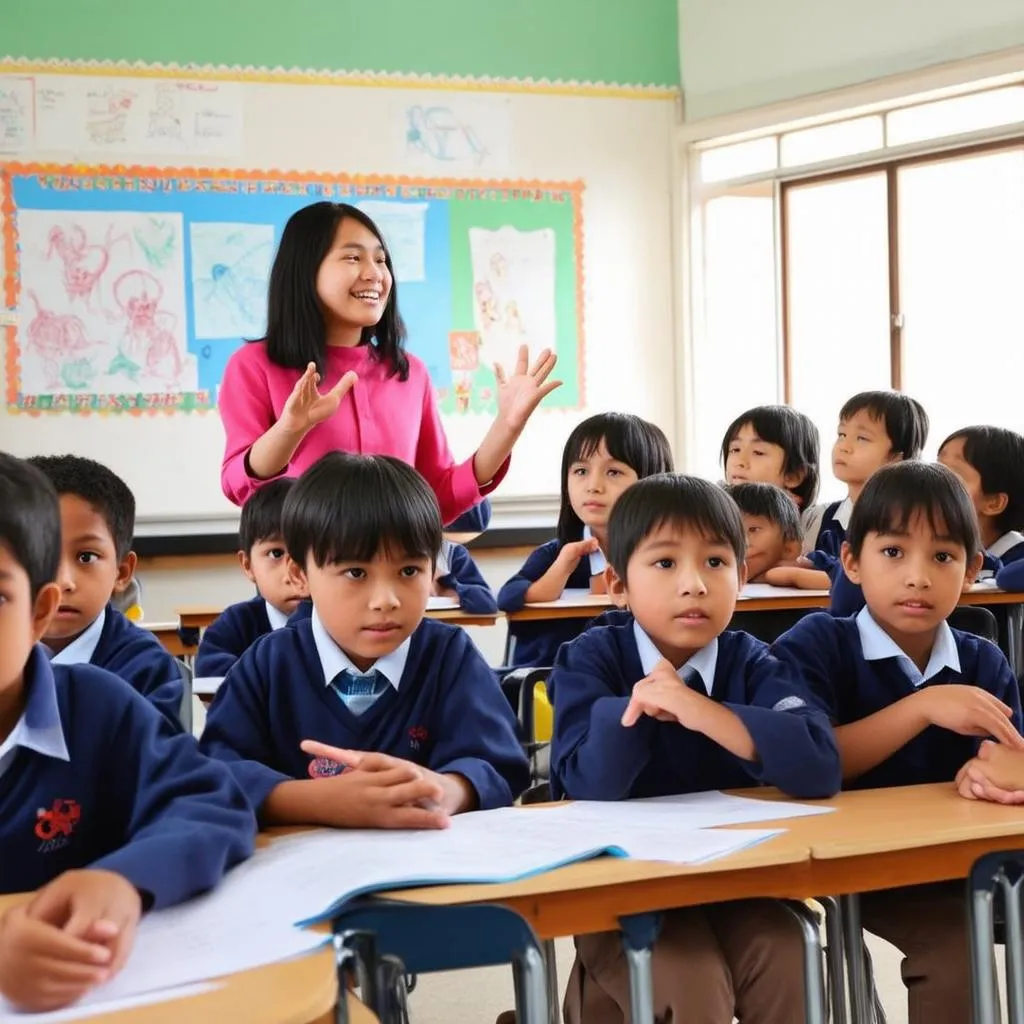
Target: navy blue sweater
(831, 533)
(594, 757)
(827, 651)
(230, 635)
(449, 715)
(537, 643)
(465, 579)
(134, 796)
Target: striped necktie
(359, 692)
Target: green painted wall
(624, 41)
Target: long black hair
(296, 332)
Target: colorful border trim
(312, 76)
(124, 178)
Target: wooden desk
(168, 635)
(876, 839)
(199, 616)
(302, 991)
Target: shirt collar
(334, 660)
(443, 565)
(843, 513)
(83, 647)
(598, 563)
(39, 727)
(705, 661)
(276, 618)
(1005, 543)
(877, 645)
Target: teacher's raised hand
(306, 406)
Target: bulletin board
(133, 285)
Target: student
(771, 524)
(671, 703)
(104, 808)
(457, 575)
(603, 457)
(332, 319)
(97, 511)
(264, 561)
(428, 730)
(990, 462)
(911, 697)
(773, 444)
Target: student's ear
(743, 574)
(973, 568)
(46, 604)
(994, 504)
(246, 563)
(851, 566)
(125, 572)
(791, 550)
(616, 588)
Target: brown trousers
(928, 925)
(709, 964)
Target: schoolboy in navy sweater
(406, 704)
(457, 575)
(910, 697)
(104, 808)
(671, 703)
(97, 511)
(264, 560)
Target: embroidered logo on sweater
(418, 735)
(54, 826)
(324, 768)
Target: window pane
(956, 116)
(735, 352)
(838, 299)
(961, 224)
(830, 141)
(739, 160)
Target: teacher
(333, 373)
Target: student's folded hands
(969, 711)
(996, 775)
(73, 935)
(664, 696)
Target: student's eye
(410, 572)
(840, 433)
(381, 260)
(717, 562)
(276, 554)
(353, 572)
(945, 557)
(87, 557)
(579, 471)
(891, 551)
(861, 437)
(734, 449)
(665, 563)
(753, 529)
(759, 451)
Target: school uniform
(93, 776)
(857, 669)
(1008, 548)
(1011, 577)
(709, 961)
(113, 643)
(537, 643)
(457, 571)
(474, 520)
(432, 701)
(824, 527)
(233, 632)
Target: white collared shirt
(705, 661)
(843, 513)
(334, 660)
(877, 645)
(1005, 543)
(39, 727)
(277, 619)
(598, 563)
(83, 647)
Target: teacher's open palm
(306, 406)
(521, 393)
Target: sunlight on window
(956, 116)
(837, 265)
(831, 141)
(739, 160)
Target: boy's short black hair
(794, 433)
(997, 455)
(769, 502)
(896, 493)
(29, 521)
(97, 485)
(904, 418)
(672, 499)
(629, 439)
(261, 514)
(346, 508)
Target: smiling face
(353, 282)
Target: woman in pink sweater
(333, 320)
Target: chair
(520, 686)
(975, 619)
(996, 875)
(186, 697)
(767, 626)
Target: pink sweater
(381, 415)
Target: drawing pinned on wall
(404, 228)
(230, 271)
(17, 103)
(513, 291)
(97, 314)
(454, 134)
(137, 115)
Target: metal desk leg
(983, 978)
(639, 933)
(861, 1003)
(1012, 893)
(551, 974)
(814, 979)
(530, 980)
(836, 959)
(1014, 636)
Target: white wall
(740, 54)
(621, 148)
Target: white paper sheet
(452, 133)
(90, 1007)
(206, 686)
(436, 603)
(763, 590)
(17, 99)
(404, 226)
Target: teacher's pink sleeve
(247, 414)
(455, 485)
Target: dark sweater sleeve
(477, 734)
(141, 661)
(1011, 576)
(223, 643)
(468, 583)
(811, 649)
(512, 595)
(188, 821)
